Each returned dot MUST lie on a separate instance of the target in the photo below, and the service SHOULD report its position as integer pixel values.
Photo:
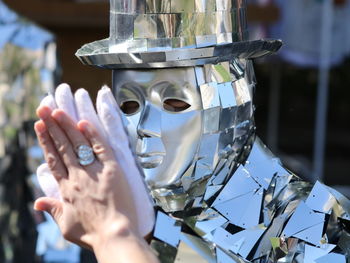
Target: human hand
(93, 197)
(96, 209)
(109, 122)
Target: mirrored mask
(163, 109)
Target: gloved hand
(109, 122)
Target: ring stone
(86, 155)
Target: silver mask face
(164, 111)
(188, 125)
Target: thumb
(49, 205)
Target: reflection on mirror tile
(167, 230)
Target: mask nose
(149, 124)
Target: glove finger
(111, 121)
(47, 182)
(105, 97)
(49, 101)
(65, 101)
(86, 111)
(109, 114)
(118, 139)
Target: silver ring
(86, 155)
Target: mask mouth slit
(142, 155)
(151, 162)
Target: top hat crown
(172, 33)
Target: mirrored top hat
(174, 33)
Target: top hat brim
(97, 54)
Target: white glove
(110, 123)
(46, 180)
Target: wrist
(111, 239)
(119, 229)
(119, 243)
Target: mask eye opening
(130, 107)
(175, 105)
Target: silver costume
(183, 77)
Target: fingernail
(39, 127)
(35, 206)
(43, 112)
(86, 127)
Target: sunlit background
(302, 99)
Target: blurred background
(302, 99)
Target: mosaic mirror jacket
(263, 213)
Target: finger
(65, 101)
(55, 208)
(50, 205)
(70, 128)
(86, 110)
(51, 156)
(47, 182)
(49, 101)
(59, 138)
(113, 126)
(112, 123)
(105, 95)
(109, 114)
(102, 151)
(118, 139)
